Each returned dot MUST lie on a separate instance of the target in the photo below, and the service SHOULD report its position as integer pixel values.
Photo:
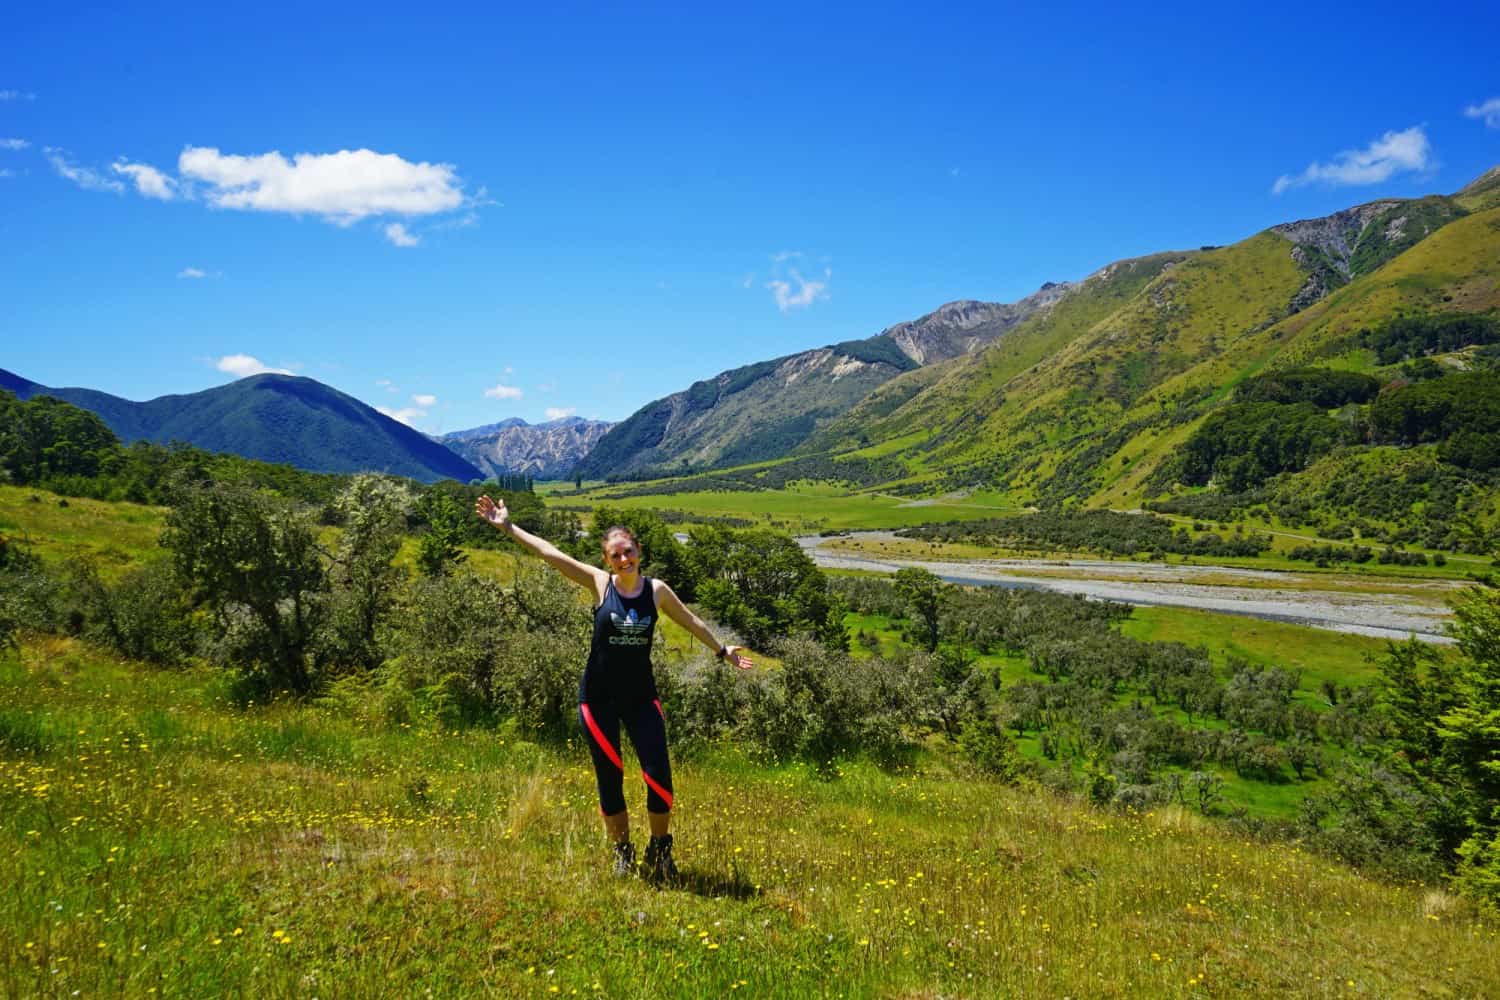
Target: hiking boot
(624, 865)
(659, 864)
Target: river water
(1398, 610)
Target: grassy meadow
(161, 842)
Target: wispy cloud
(17, 95)
(196, 273)
(424, 399)
(341, 187)
(1487, 110)
(804, 294)
(503, 391)
(149, 181)
(398, 236)
(85, 177)
(1393, 153)
(243, 365)
(407, 415)
(558, 412)
(14, 144)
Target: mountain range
(273, 418)
(1084, 390)
(514, 447)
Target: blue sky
(467, 215)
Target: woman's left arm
(670, 603)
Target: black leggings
(648, 734)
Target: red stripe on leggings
(609, 751)
(666, 796)
(657, 703)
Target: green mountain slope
(1087, 401)
(272, 418)
(765, 410)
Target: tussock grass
(156, 839)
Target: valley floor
(1388, 608)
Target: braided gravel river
(1387, 608)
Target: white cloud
(786, 255)
(503, 392)
(558, 412)
(424, 399)
(1488, 110)
(84, 177)
(148, 180)
(805, 293)
(14, 144)
(1392, 153)
(341, 187)
(16, 95)
(194, 272)
(7, 173)
(398, 236)
(242, 365)
(407, 415)
(384, 382)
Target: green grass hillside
(160, 842)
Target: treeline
(1409, 767)
(1280, 422)
(852, 471)
(1100, 531)
(1408, 337)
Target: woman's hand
(738, 656)
(495, 513)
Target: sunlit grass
(157, 839)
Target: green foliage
(437, 550)
(764, 586)
(252, 559)
(44, 438)
(363, 579)
(1242, 445)
(143, 615)
(923, 595)
(469, 651)
(1407, 337)
(1326, 388)
(1461, 411)
(1103, 531)
(877, 351)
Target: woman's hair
(619, 529)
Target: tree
(924, 596)
(437, 550)
(252, 558)
(363, 577)
(1470, 739)
(764, 586)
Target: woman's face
(620, 554)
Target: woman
(617, 685)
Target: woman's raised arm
(590, 577)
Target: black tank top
(619, 666)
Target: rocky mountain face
(514, 447)
(963, 327)
(766, 410)
(1337, 248)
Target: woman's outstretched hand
(495, 513)
(738, 656)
